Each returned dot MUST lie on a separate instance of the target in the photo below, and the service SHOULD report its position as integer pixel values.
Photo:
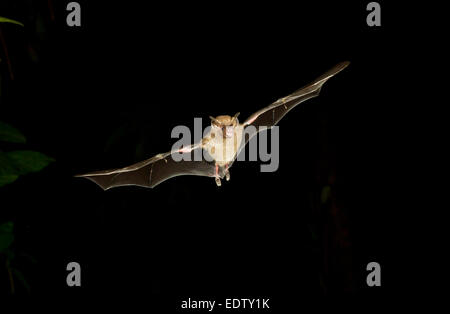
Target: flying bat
(222, 143)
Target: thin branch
(11, 279)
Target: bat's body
(222, 143)
(224, 150)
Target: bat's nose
(229, 131)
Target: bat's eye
(215, 123)
(216, 126)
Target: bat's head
(225, 124)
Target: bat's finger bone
(186, 149)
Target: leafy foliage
(10, 134)
(19, 162)
(26, 161)
(12, 165)
(7, 178)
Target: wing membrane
(153, 171)
(272, 114)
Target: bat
(222, 144)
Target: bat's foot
(227, 172)
(216, 173)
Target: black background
(107, 94)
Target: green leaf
(16, 163)
(10, 134)
(7, 178)
(7, 171)
(6, 20)
(6, 235)
(25, 161)
(6, 165)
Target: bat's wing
(272, 114)
(153, 171)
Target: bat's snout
(229, 131)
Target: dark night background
(107, 94)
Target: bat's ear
(215, 120)
(234, 119)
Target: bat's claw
(218, 182)
(227, 175)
